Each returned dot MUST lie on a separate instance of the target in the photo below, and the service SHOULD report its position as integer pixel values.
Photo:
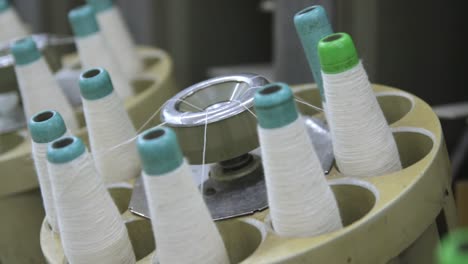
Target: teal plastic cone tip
(25, 51)
(4, 5)
(337, 53)
(83, 21)
(159, 151)
(95, 84)
(312, 24)
(65, 149)
(100, 5)
(275, 106)
(454, 248)
(46, 126)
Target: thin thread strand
(307, 104)
(108, 126)
(202, 181)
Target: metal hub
(234, 184)
(225, 106)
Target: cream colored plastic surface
(388, 219)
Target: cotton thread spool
(94, 50)
(118, 36)
(363, 143)
(38, 87)
(108, 126)
(46, 127)
(183, 228)
(300, 200)
(312, 24)
(91, 228)
(10, 23)
(454, 248)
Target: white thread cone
(38, 87)
(11, 26)
(117, 35)
(91, 228)
(363, 143)
(300, 199)
(109, 128)
(94, 50)
(46, 127)
(183, 228)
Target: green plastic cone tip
(337, 53)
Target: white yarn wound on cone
(179, 218)
(39, 153)
(39, 91)
(120, 41)
(363, 143)
(109, 130)
(11, 26)
(94, 52)
(91, 228)
(300, 199)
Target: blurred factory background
(411, 45)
